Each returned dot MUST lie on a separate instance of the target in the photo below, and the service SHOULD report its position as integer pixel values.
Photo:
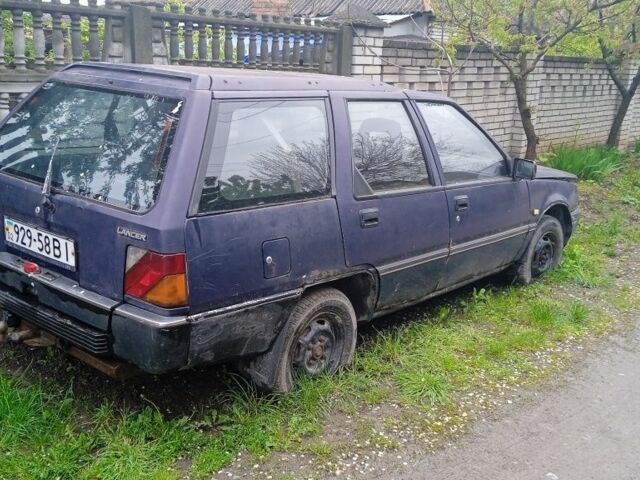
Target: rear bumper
(76, 333)
(155, 343)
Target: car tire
(319, 337)
(544, 252)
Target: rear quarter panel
(225, 258)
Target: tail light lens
(156, 278)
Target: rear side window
(267, 152)
(108, 146)
(465, 152)
(385, 149)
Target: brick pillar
(135, 38)
(366, 52)
(365, 31)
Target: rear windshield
(104, 145)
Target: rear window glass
(267, 152)
(105, 145)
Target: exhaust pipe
(15, 330)
(19, 336)
(8, 322)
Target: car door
(488, 209)
(392, 208)
(264, 220)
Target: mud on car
(167, 217)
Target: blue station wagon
(165, 217)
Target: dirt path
(587, 428)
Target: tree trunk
(614, 133)
(520, 85)
(627, 95)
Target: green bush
(593, 163)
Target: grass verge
(427, 359)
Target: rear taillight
(156, 278)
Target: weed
(542, 314)
(423, 386)
(320, 449)
(595, 163)
(580, 267)
(577, 313)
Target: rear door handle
(462, 203)
(369, 217)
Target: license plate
(40, 242)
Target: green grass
(46, 437)
(595, 163)
(425, 360)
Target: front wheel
(544, 252)
(318, 338)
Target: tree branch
(610, 67)
(596, 5)
(635, 83)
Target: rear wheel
(544, 252)
(318, 338)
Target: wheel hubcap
(315, 347)
(544, 254)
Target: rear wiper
(47, 202)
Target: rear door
(393, 210)
(264, 219)
(488, 210)
(107, 151)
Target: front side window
(385, 149)
(267, 152)
(104, 145)
(466, 154)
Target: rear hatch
(81, 169)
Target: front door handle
(369, 217)
(461, 202)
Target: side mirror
(523, 168)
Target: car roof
(246, 79)
(221, 79)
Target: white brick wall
(367, 56)
(573, 100)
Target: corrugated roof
(322, 8)
(222, 5)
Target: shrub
(593, 163)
